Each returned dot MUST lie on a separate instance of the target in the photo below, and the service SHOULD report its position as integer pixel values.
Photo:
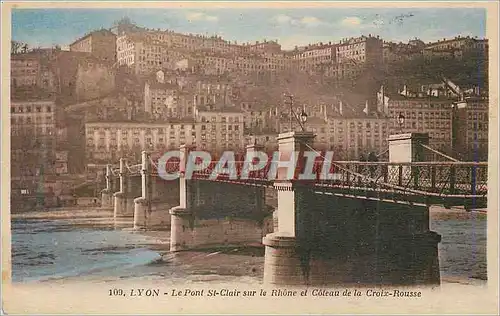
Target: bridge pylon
(327, 237)
(142, 209)
(106, 193)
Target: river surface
(44, 250)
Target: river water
(45, 250)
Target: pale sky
(47, 27)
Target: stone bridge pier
(325, 239)
(130, 187)
(214, 213)
(151, 210)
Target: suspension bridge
(352, 222)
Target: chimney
(366, 109)
(340, 107)
(129, 113)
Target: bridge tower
(120, 204)
(326, 238)
(283, 258)
(106, 193)
(142, 208)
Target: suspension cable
(392, 186)
(439, 153)
(383, 153)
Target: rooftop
(20, 95)
(219, 109)
(96, 32)
(396, 96)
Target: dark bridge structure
(353, 222)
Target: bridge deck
(429, 183)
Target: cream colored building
(34, 117)
(360, 50)
(354, 136)
(314, 56)
(108, 141)
(221, 128)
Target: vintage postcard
(250, 157)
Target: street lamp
(289, 102)
(303, 117)
(401, 121)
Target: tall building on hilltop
(456, 47)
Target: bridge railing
(214, 171)
(450, 178)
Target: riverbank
(75, 212)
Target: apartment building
(149, 51)
(33, 117)
(25, 70)
(221, 128)
(33, 135)
(32, 71)
(360, 50)
(349, 136)
(429, 114)
(160, 99)
(101, 44)
(268, 47)
(456, 47)
(470, 128)
(107, 141)
(313, 56)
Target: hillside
(472, 70)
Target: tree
(15, 47)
